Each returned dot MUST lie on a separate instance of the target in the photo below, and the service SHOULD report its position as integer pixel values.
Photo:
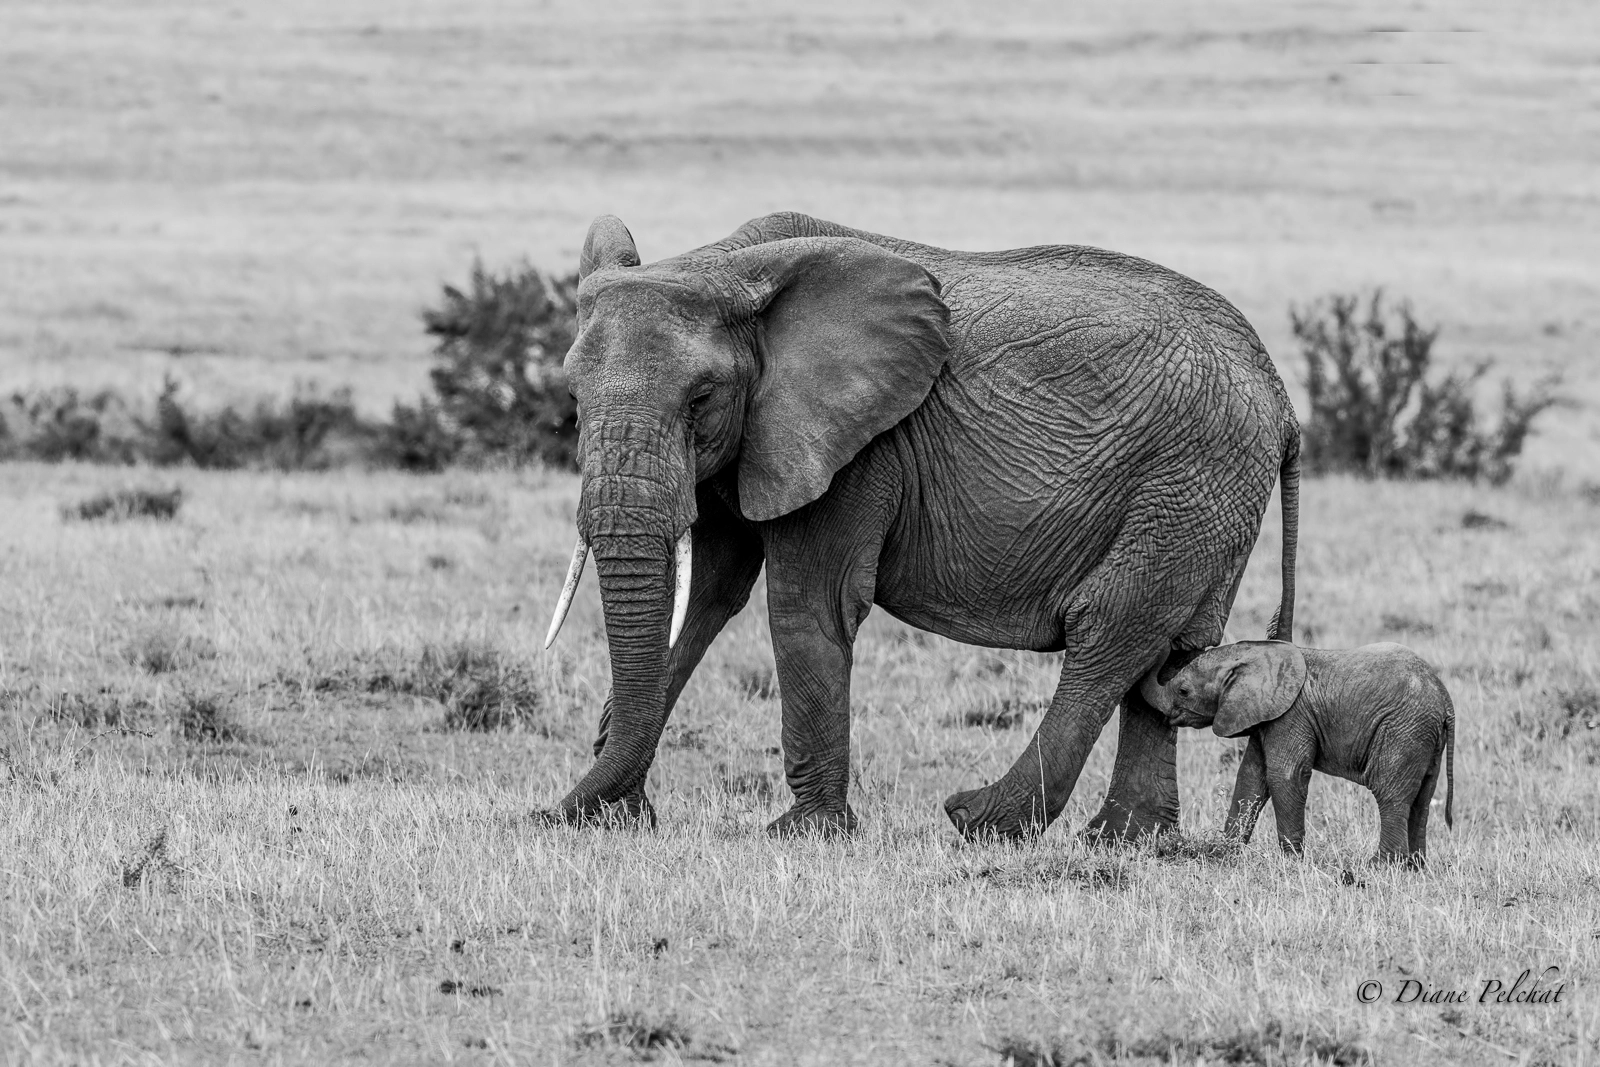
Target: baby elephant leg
(1249, 792)
(1394, 840)
(1288, 786)
(1417, 823)
(1402, 783)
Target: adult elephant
(1053, 448)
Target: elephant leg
(727, 561)
(1393, 840)
(820, 582)
(1143, 795)
(1397, 782)
(1249, 792)
(1287, 786)
(1417, 821)
(1114, 630)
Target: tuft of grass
(1033, 871)
(758, 683)
(163, 648)
(1395, 622)
(753, 784)
(152, 866)
(1472, 519)
(202, 719)
(1002, 714)
(645, 1037)
(103, 709)
(1033, 1052)
(480, 687)
(1210, 846)
(120, 505)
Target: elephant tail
(1282, 627)
(1450, 768)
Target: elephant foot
(630, 812)
(813, 822)
(986, 813)
(1117, 824)
(1414, 861)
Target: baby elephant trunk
(1155, 694)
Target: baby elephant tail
(1282, 626)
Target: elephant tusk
(580, 555)
(680, 595)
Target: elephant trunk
(636, 592)
(1155, 694)
(636, 505)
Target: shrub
(499, 397)
(296, 435)
(122, 504)
(497, 373)
(202, 719)
(418, 439)
(1374, 410)
(60, 424)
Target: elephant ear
(1260, 686)
(608, 244)
(851, 338)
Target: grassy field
(244, 811)
(236, 824)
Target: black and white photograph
(874, 532)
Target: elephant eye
(1183, 690)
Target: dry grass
(280, 850)
(235, 821)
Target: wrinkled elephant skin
(1054, 448)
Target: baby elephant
(1377, 715)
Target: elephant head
(780, 360)
(1232, 688)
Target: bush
(497, 374)
(59, 424)
(296, 435)
(122, 504)
(1373, 409)
(309, 431)
(500, 397)
(418, 438)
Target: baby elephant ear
(851, 338)
(1264, 679)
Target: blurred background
(243, 197)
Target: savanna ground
(236, 823)
(241, 817)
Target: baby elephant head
(1231, 688)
